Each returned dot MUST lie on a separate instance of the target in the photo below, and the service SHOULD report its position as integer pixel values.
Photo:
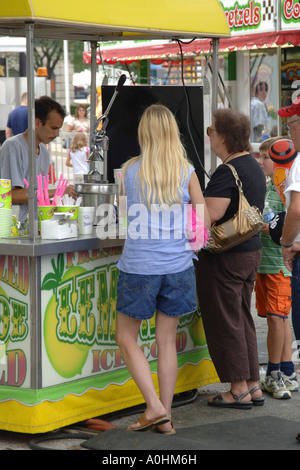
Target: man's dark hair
(44, 105)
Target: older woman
(230, 276)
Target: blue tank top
(156, 242)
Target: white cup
(86, 220)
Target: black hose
(34, 443)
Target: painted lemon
(5, 183)
(67, 359)
(196, 331)
(4, 340)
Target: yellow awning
(113, 19)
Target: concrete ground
(196, 413)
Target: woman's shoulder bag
(246, 223)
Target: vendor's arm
(19, 196)
(70, 191)
(197, 198)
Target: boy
(273, 297)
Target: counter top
(22, 246)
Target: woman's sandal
(256, 401)
(145, 423)
(218, 401)
(166, 433)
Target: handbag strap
(237, 179)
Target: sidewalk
(273, 426)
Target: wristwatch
(285, 245)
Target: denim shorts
(139, 295)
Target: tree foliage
(48, 52)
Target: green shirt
(272, 261)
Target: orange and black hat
(290, 110)
(282, 151)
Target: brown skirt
(225, 284)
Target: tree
(48, 52)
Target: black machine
(186, 103)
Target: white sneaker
(290, 382)
(274, 384)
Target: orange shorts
(273, 295)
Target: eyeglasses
(291, 122)
(209, 130)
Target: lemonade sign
(59, 362)
(79, 293)
(14, 322)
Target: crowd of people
(158, 273)
(231, 275)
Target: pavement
(193, 415)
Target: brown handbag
(244, 224)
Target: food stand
(59, 363)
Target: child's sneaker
(291, 382)
(274, 384)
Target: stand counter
(59, 363)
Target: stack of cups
(86, 220)
(5, 208)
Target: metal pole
(93, 117)
(214, 104)
(66, 71)
(32, 190)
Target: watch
(286, 245)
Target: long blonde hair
(79, 141)
(164, 164)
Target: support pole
(214, 105)
(32, 190)
(66, 72)
(93, 117)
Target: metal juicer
(96, 189)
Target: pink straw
(57, 191)
(26, 183)
(40, 194)
(46, 183)
(63, 188)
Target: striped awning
(160, 52)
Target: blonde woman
(156, 270)
(77, 157)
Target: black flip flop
(218, 401)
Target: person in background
(17, 121)
(225, 281)
(156, 271)
(80, 122)
(290, 239)
(274, 296)
(259, 114)
(77, 157)
(14, 153)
